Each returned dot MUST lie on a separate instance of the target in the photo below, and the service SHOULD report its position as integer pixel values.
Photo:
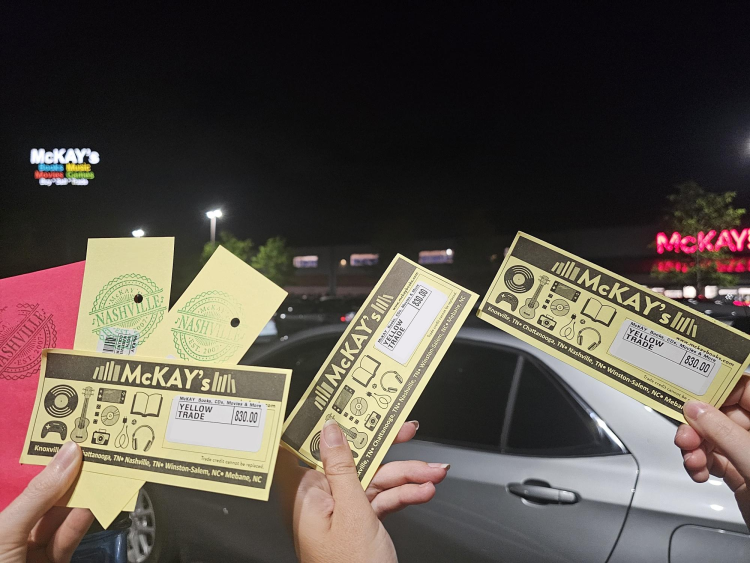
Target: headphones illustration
(390, 389)
(593, 345)
(149, 443)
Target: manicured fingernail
(66, 455)
(332, 434)
(415, 423)
(440, 465)
(693, 409)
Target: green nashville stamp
(131, 301)
(203, 329)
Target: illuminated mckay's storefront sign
(729, 266)
(64, 166)
(730, 239)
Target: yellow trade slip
(379, 367)
(651, 348)
(209, 427)
(221, 314)
(215, 320)
(125, 295)
(124, 299)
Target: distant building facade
(630, 251)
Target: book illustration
(146, 405)
(366, 370)
(599, 313)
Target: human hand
(716, 442)
(332, 518)
(32, 528)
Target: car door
(535, 475)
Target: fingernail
(425, 484)
(693, 409)
(445, 466)
(415, 423)
(67, 455)
(332, 434)
(687, 456)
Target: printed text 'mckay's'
(354, 341)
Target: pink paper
(37, 311)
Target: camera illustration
(100, 438)
(372, 420)
(547, 322)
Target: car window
(332, 306)
(465, 401)
(304, 359)
(547, 420)
(742, 323)
(298, 307)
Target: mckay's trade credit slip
(213, 428)
(651, 348)
(380, 366)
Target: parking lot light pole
(213, 215)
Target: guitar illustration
(80, 430)
(528, 311)
(359, 439)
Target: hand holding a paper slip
(32, 528)
(717, 442)
(332, 518)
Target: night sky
(337, 126)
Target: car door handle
(542, 493)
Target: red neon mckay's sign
(731, 239)
(732, 265)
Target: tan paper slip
(380, 366)
(207, 427)
(653, 349)
(124, 299)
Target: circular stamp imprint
(203, 328)
(24, 332)
(130, 301)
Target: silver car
(547, 465)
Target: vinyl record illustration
(559, 307)
(61, 401)
(110, 415)
(519, 279)
(315, 446)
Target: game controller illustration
(509, 298)
(55, 426)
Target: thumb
(41, 494)
(716, 428)
(339, 468)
